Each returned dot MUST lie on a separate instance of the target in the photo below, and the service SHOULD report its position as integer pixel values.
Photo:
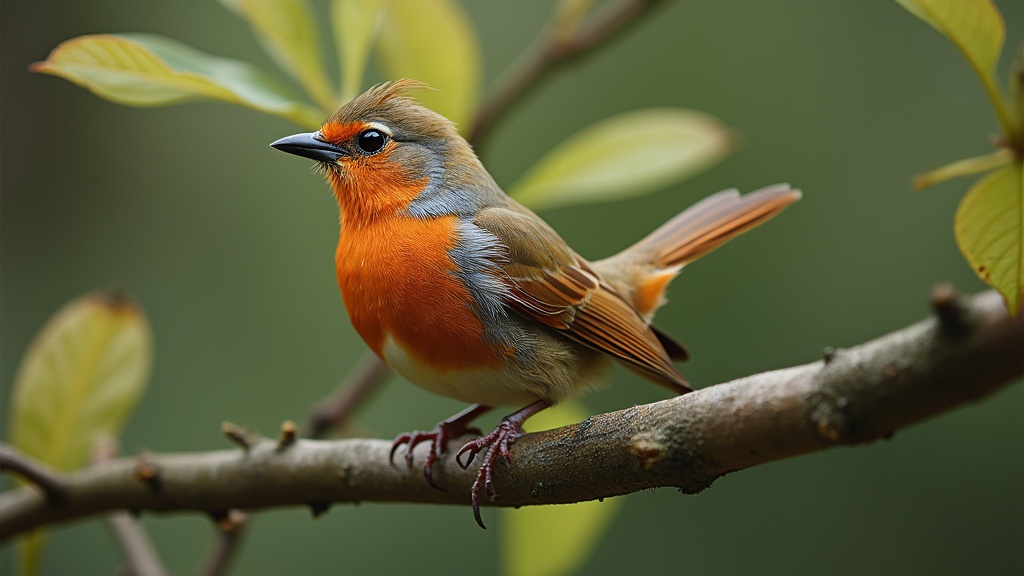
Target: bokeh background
(229, 247)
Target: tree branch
(47, 479)
(967, 350)
(551, 51)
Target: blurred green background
(229, 247)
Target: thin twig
(140, 554)
(231, 527)
(334, 411)
(861, 394)
(50, 481)
(550, 51)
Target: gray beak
(309, 145)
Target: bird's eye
(371, 141)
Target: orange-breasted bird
(468, 294)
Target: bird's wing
(549, 283)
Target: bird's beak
(309, 145)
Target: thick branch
(852, 396)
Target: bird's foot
(497, 444)
(438, 438)
(453, 427)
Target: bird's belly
(494, 386)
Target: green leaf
(626, 155)
(434, 42)
(30, 551)
(151, 70)
(989, 229)
(553, 540)
(288, 32)
(355, 24)
(974, 26)
(977, 29)
(80, 379)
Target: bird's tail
(644, 269)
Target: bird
(468, 294)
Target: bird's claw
(438, 439)
(497, 445)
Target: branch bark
(968, 349)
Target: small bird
(470, 295)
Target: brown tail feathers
(644, 270)
(710, 223)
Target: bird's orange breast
(397, 279)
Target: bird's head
(382, 150)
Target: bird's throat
(375, 195)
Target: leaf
(974, 26)
(151, 70)
(977, 29)
(30, 551)
(80, 379)
(965, 167)
(989, 229)
(434, 42)
(553, 540)
(355, 24)
(626, 155)
(288, 32)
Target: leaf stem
(965, 167)
(995, 95)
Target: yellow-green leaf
(553, 540)
(626, 155)
(977, 29)
(433, 41)
(30, 551)
(288, 32)
(151, 70)
(974, 26)
(355, 24)
(989, 229)
(80, 379)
